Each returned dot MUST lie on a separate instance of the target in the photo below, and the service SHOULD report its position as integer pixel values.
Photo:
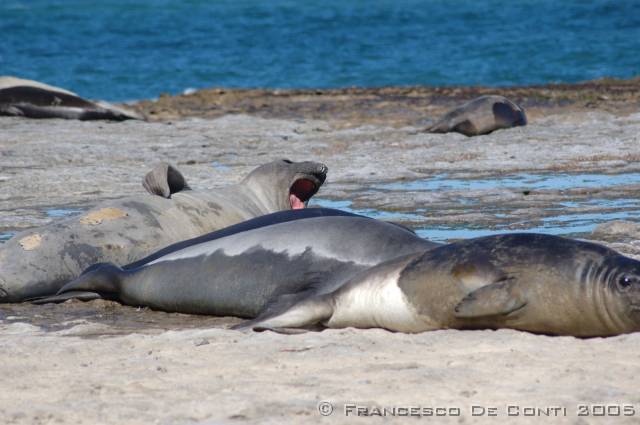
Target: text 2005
(606, 410)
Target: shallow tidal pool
(559, 203)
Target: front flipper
(465, 127)
(71, 295)
(477, 273)
(164, 180)
(291, 331)
(497, 299)
(286, 314)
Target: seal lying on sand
(38, 262)
(481, 116)
(32, 99)
(237, 271)
(538, 283)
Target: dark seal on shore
(32, 99)
(482, 115)
(337, 271)
(281, 257)
(531, 282)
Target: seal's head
(284, 184)
(622, 277)
(507, 114)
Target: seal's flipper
(497, 299)
(466, 127)
(100, 281)
(10, 110)
(164, 180)
(289, 331)
(476, 273)
(75, 295)
(282, 315)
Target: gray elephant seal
(239, 271)
(481, 116)
(32, 99)
(537, 283)
(356, 272)
(38, 262)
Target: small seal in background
(482, 115)
(33, 99)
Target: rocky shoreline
(394, 106)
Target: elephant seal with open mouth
(38, 262)
(32, 99)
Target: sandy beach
(99, 362)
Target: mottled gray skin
(32, 99)
(39, 261)
(481, 116)
(241, 273)
(537, 283)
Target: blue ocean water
(132, 49)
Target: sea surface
(134, 49)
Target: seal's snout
(521, 118)
(306, 183)
(321, 173)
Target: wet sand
(102, 362)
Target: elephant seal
(239, 271)
(481, 116)
(350, 271)
(39, 261)
(531, 282)
(32, 99)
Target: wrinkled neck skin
(234, 203)
(608, 308)
(572, 300)
(266, 197)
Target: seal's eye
(625, 281)
(287, 161)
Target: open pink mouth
(300, 192)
